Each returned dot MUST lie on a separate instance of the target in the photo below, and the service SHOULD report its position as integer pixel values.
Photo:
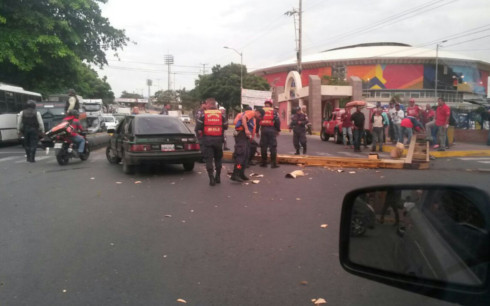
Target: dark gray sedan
(141, 139)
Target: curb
(446, 154)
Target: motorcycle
(59, 138)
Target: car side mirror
(433, 240)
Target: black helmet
(73, 112)
(31, 104)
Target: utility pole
(241, 72)
(437, 68)
(149, 83)
(298, 32)
(169, 60)
(203, 69)
(300, 13)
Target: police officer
(211, 126)
(270, 126)
(72, 102)
(29, 125)
(298, 125)
(244, 130)
(199, 114)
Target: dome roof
(372, 52)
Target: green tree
(167, 96)
(128, 95)
(188, 99)
(45, 42)
(224, 84)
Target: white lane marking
(485, 162)
(474, 158)
(8, 158)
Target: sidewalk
(459, 149)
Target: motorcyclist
(77, 128)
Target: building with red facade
(376, 72)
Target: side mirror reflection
(437, 234)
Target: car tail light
(191, 147)
(139, 148)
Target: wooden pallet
(417, 158)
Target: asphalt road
(87, 234)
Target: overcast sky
(195, 32)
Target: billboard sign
(254, 98)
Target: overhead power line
(406, 14)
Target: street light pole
(437, 66)
(241, 72)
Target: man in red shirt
(442, 122)
(427, 115)
(72, 117)
(413, 110)
(347, 127)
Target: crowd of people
(392, 122)
(398, 124)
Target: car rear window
(152, 125)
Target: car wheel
(111, 157)
(324, 136)
(188, 166)
(357, 226)
(62, 158)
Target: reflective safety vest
(250, 122)
(268, 119)
(213, 122)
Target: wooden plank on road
(341, 162)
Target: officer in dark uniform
(298, 125)
(199, 114)
(30, 125)
(270, 126)
(244, 130)
(211, 126)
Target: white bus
(13, 99)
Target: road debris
(92, 178)
(137, 182)
(256, 181)
(352, 172)
(119, 183)
(298, 199)
(324, 225)
(64, 290)
(340, 171)
(303, 283)
(168, 216)
(295, 174)
(319, 301)
(182, 301)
